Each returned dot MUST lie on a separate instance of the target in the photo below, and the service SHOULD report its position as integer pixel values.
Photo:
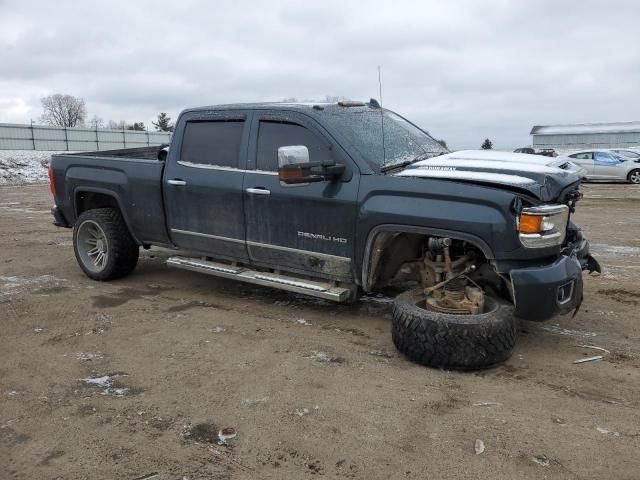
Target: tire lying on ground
(459, 342)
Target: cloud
(462, 70)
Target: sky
(463, 70)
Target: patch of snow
(103, 382)
(85, 356)
(11, 285)
(106, 383)
(18, 167)
(556, 329)
(541, 460)
(323, 357)
(603, 249)
(501, 178)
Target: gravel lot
(135, 378)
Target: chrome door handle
(180, 183)
(258, 191)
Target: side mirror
(294, 167)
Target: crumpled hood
(544, 177)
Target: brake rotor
(456, 299)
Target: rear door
(310, 228)
(203, 184)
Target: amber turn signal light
(531, 223)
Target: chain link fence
(40, 137)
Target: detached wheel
(634, 177)
(103, 246)
(459, 342)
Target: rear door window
(582, 156)
(215, 143)
(274, 134)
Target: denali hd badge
(321, 236)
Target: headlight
(543, 226)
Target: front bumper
(541, 292)
(58, 218)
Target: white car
(606, 165)
(630, 153)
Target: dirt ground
(169, 357)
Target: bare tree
(63, 110)
(116, 125)
(96, 122)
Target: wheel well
(397, 257)
(92, 200)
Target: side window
(272, 135)
(582, 156)
(604, 158)
(212, 143)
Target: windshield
(403, 141)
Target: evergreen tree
(138, 126)
(487, 144)
(443, 142)
(164, 123)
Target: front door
(606, 166)
(203, 185)
(307, 229)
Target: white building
(563, 138)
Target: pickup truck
(336, 200)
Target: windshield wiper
(405, 163)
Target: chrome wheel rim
(635, 177)
(92, 246)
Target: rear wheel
(444, 340)
(103, 245)
(634, 176)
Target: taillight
(52, 182)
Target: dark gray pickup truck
(333, 200)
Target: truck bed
(130, 178)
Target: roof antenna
(384, 150)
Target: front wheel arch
(368, 261)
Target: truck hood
(543, 177)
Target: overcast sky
(463, 70)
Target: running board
(326, 291)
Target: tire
(634, 177)
(103, 230)
(456, 342)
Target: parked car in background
(629, 153)
(606, 165)
(547, 152)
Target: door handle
(177, 182)
(258, 191)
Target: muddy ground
(312, 389)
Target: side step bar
(326, 291)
